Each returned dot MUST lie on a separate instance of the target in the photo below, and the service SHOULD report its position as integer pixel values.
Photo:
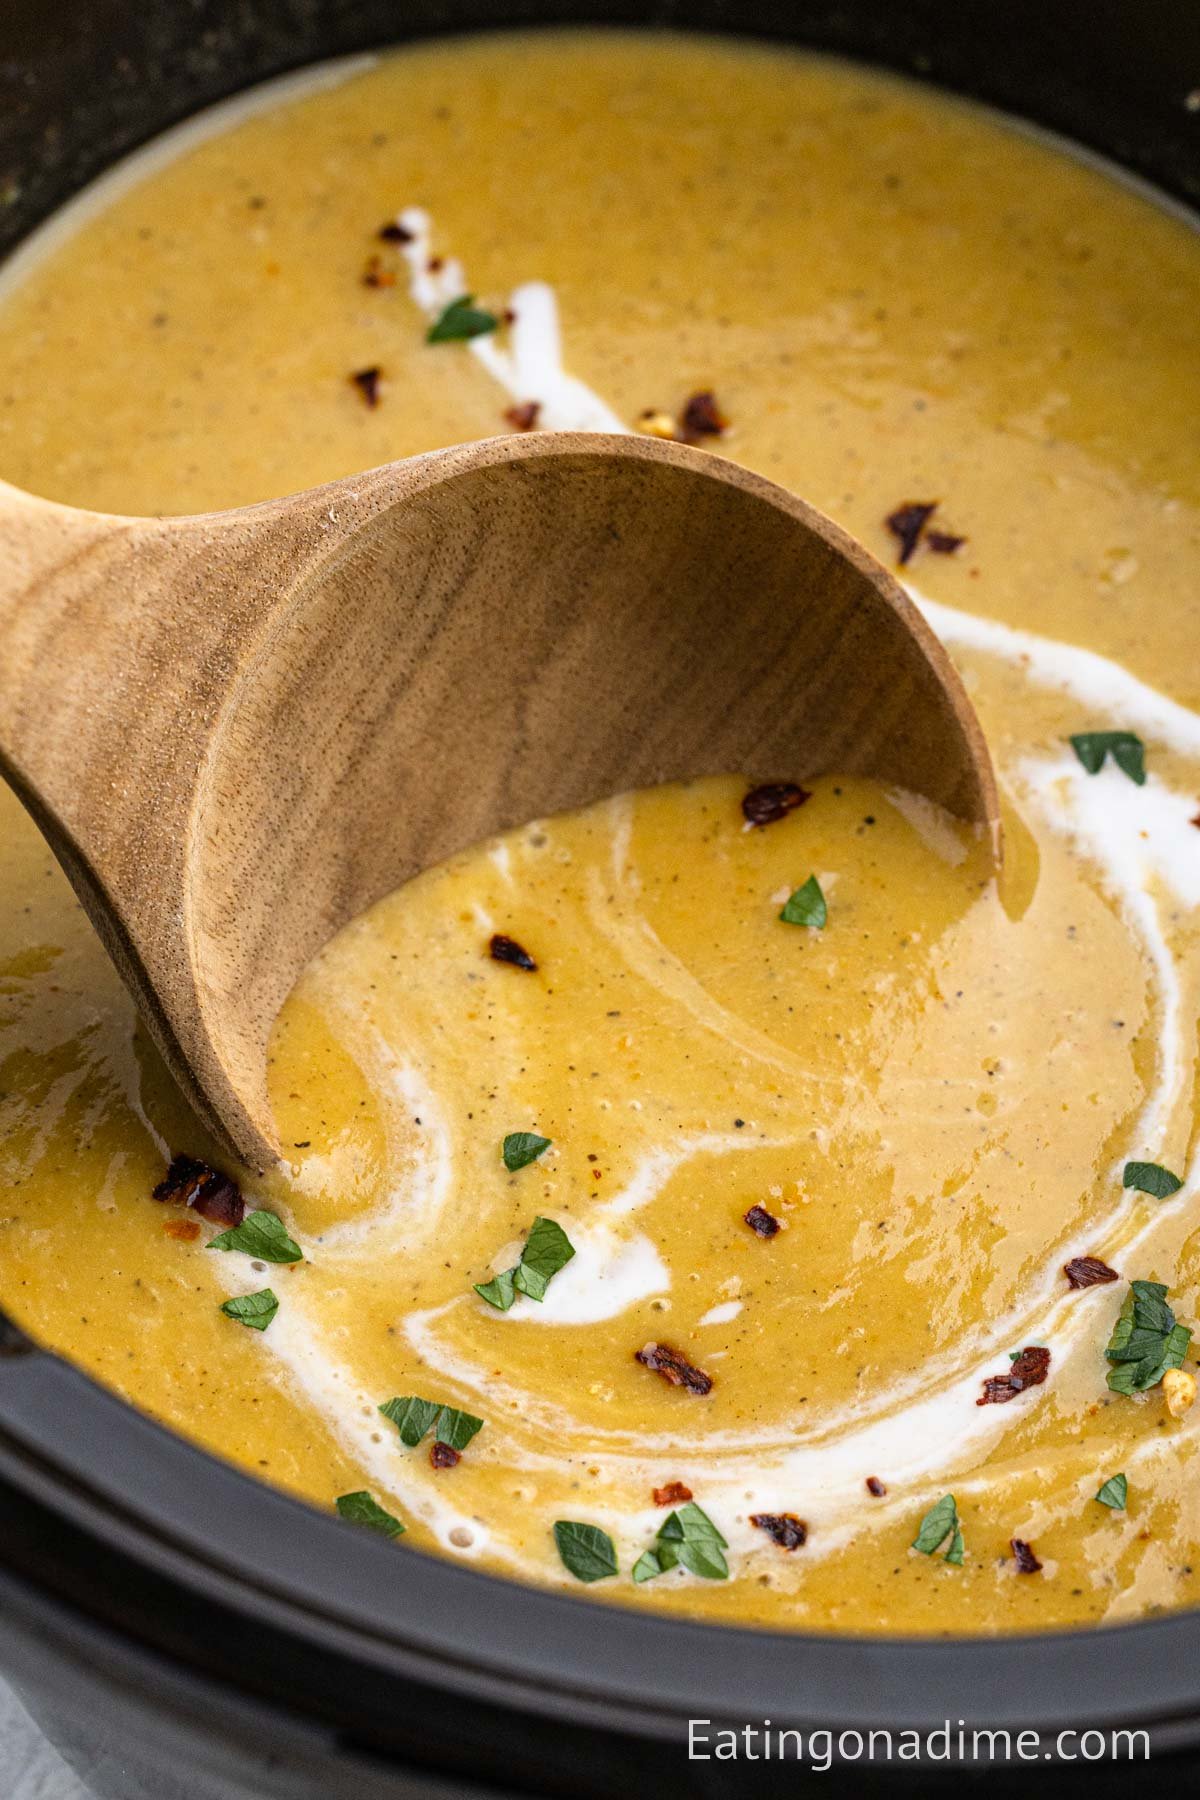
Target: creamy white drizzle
(656, 1167)
(1147, 856)
(530, 366)
(722, 1314)
(1116, 697)
(352, 1415)
(609, 1273)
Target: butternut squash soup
(728, 1199)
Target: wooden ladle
(240, 729)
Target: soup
(732, 1200)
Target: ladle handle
(122, 643)
(114, 650)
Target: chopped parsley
(461, 319)
(415, 1418)
(253, 1310)
(500, 1291)
(1114, 1493)
(261, 1235)
(547, 1250)
(523, 1147)
(1125, 747)
(941, 1522)
(1151, 1178)
(585, 1550)
(1146, 1340)
(362, 1509)
(806, 906)
(686, 1539)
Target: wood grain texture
(239, 730)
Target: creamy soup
(732, 1200)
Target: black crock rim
(100, 1469)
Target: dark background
(81, 81)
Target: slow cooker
(180, 1630)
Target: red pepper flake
(1027, 1563)
(1088, 1271)
(189, 1182)
(908, 522)
(395, 233)
(701, 417)
(875, 1487)
(525, 416)
(1196, 821)
(186, 1230)
(376, 276)
(762, 1223)
(772, 800)
(674, 1367)
(1029, 1369)
(435, 264)
(443, 1456)
(507, 950)
(674, 1494)
(367, 382)
(785, 1529)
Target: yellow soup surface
(821, 1162)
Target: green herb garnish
(500, 1291)
(461, 319)
(1146, 1340)
(941, 1522)
(1151, 1178)
(1114, 1493)
(415, 1418)
(806, 906)
(361, 1509)
(547, 1250)
(253, 1310)
(688, 1539)
(522, 1147)
(585, 1550)
(1125, 747)
(261, 1235)
(651, 1563)
(454, 1428)
(411, 1417)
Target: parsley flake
(362, 1509)
(263, 1236)
(585, 1550)
(547, 1250)
(1151, 1178)
(253, 1310)
(1114, 1493)
(414, 1418)
(806, 906)
(500, 1291)
(686, 1539)
(523, 1147)
(461, 319)
(941, 1522)
(1146, 1340)
(1125, 747)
